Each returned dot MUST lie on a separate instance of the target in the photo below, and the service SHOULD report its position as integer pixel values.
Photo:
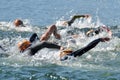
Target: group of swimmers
(32, 49)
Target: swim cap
(24, 45)
(18, 22)
(65, 52)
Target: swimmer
(69, 22)
(51, 30)
(100, 29)
(64, 53)
(18, 23)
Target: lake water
(100, 63)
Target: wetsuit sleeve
(86, 48)
(74, 18)
(33, 37)
(42, 45)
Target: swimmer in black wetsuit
(25, 45)
(83, 50)
(99, 30)
(51, 30)
(63, 56)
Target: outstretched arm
(42, 45)
(90, 46)
(76, 17)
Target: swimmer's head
(90, 33)
(18, 23)
(65, 52)
(24, 45)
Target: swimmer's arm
(76, 17)
(95, 42)
(90, 46)
(42, 45)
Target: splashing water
(100, 59)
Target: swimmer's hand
(87, 16)
(105, 39)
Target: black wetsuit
(76, 53)
(41, 45)
(33, 37)
(83, 50)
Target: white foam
(49, 56)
